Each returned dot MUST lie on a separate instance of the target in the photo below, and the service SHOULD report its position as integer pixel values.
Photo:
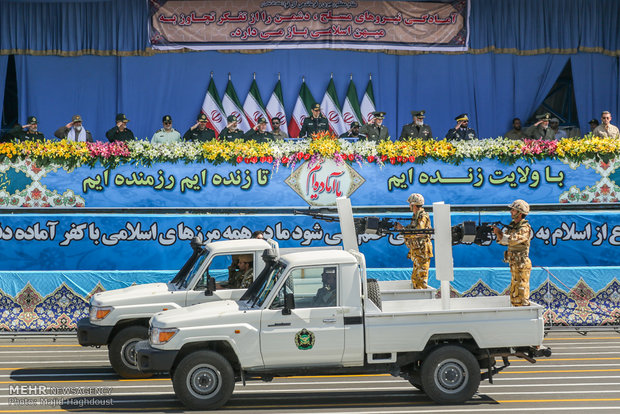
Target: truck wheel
(450, 375)
(203, 380)
(374, 294)
(122, 351)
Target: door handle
(329, 320)
(279, 324)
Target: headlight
(98, 313)
(161, 336)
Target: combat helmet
(416, 199)
(521, 206)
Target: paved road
(41, 376)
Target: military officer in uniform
(120, 132)
(315, 123)
(167, 134)
(275, 129)
(375, 130)
(326, 295)
(231, 132)
(420, 246)
(259, 133)
(30, 134)
(199, 131)
(541, 130)
(416, 129)
(461, 131)
(517, 237)
(517, 131)
(353, 132)
(74, 131)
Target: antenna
(228, 75)
(254, 75)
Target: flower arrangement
(319, 147)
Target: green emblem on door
(304, 339)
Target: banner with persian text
(260, 185)
(125, 241)
(269, 24)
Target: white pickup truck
(314, 313)
(119, 318)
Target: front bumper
(92, 335)
(150, 359)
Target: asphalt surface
(40, 375)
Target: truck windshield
(184, 282)
(265, 285)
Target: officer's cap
(202, 118)
(355, 124)
(462, 117)
(121, 117)
(316, 107)
(378, 114)
(418, 114)
(262, 120)
(231, 118)
(76, 118)
(166, 118)
(329, 271)
(32, 120)
(544, 117)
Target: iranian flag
(331, 109)
(368, 103)
(275, 107)
(212, 108)
(351, 108)
(232, 106)
(253, 106)
(304, 102)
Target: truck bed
(407, 325)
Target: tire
(203, 380)
(450, 375)
(416, 384)
(122, 354)
(374, 294)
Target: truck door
(313, 333)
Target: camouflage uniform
(517, 238)
(247, 278)
(325, 296)
(420, 249)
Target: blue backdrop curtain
(3, 64)
(70, 28)
(595, 78)
(55, 88)
(545, 26)
(492, 88)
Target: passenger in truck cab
(327, 295)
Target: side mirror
(210, 287)
(289, 303)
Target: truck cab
(119, 318)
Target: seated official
(31, 132)
(259, 133)
(327, 295)
(74, 131)
(353, 132)
(199, 131)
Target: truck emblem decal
(304, 339)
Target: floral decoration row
(319, 147)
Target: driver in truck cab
(326, 296)
(241, 271)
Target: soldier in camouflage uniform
(420, 246)
(517, 237)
